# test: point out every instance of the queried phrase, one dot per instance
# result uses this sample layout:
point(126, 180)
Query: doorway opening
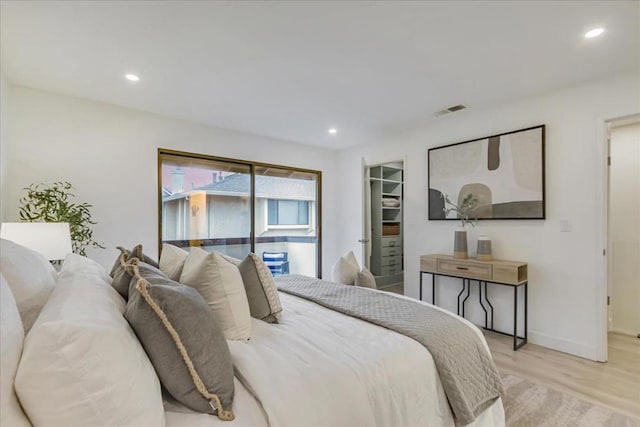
point(383, 230)
point(623, 228)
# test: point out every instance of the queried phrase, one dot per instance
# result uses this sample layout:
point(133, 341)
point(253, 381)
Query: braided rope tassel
point(142, 286)
point(123, 259)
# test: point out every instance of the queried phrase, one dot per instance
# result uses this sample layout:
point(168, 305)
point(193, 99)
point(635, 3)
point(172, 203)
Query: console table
point(499, 272)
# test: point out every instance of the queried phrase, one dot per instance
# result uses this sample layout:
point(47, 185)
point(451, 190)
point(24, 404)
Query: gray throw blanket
point(467, 372)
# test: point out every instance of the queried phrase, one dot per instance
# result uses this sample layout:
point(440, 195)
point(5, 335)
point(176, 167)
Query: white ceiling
point(291, 70)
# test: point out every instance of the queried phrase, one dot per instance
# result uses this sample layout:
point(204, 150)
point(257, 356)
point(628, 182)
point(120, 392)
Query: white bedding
point(321, 368)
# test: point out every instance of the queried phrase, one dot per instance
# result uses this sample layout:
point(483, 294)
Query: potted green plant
point(464, 212)
point(54, 204)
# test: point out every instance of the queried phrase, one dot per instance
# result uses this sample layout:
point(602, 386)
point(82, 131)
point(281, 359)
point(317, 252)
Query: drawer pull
point(462, 268)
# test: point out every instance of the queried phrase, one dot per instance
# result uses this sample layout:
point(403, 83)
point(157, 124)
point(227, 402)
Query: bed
point(315, 367)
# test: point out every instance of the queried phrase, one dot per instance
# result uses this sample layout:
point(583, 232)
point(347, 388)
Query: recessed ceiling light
point(333, 131)
point(593, 33)
point(132, 77)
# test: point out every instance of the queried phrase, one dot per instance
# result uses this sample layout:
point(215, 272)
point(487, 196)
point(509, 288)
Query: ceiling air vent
point(451, 110)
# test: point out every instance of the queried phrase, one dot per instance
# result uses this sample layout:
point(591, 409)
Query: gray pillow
point(116, 265)
point(174, 324)
point(365, 279)
point(135, 252)
point(122, 277)
point(262, 294)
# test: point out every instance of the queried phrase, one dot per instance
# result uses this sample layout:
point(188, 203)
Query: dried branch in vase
point(464, 210)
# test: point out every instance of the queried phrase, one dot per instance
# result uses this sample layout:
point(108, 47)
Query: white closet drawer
point(388, 261)
point(387, 271)
point(392, 251)
point(388, 242)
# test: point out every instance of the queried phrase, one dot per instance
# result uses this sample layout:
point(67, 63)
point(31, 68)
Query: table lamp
point(51, 239)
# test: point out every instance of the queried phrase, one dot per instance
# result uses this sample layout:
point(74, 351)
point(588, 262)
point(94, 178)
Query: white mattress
point(321, 368)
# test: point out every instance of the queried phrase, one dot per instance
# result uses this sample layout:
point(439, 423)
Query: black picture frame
point(505, 172)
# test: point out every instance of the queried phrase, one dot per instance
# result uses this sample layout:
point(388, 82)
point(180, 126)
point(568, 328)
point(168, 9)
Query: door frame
point(365, 207)
point(365, 240)
point(602, 168)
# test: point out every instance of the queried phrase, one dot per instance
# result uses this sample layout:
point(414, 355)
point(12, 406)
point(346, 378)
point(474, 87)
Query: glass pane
point(206, 203)
point(287, 212)
point(286, 215)
point(273, 212)
point(303, 212)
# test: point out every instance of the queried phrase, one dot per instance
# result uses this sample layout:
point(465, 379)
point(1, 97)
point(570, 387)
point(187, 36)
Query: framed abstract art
point(504, 173)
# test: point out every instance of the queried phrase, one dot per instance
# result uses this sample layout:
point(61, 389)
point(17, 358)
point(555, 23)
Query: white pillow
point(220, 283)
point(30, 276)
point(345, 270)
point(11, 340)
point(172, 260)
point(82, 364)
point(351, 257)
point(365, 279)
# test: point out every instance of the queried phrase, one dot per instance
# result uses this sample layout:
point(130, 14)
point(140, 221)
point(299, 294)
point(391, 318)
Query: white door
point(624, 230)
point(366, 223)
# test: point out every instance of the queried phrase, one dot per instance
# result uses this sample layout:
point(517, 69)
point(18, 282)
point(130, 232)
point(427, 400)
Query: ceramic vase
point(484, 249)
point(460, 244)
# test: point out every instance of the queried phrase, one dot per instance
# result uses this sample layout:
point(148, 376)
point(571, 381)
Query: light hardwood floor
point(396, 289)
point(614, 384)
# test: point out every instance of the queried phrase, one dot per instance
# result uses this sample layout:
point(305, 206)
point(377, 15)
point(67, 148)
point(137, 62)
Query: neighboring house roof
point(192, 177)
point(268, 187)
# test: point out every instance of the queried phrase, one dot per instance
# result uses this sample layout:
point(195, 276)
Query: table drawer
point(391, 251)
point(466, 269)
point(390, 260)
point(388, 242)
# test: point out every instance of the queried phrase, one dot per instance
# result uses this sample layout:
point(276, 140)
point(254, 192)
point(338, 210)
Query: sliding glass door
point(206, 203)
point(286, 213)
point(236, 207)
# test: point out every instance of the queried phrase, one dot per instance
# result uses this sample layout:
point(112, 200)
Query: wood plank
point(614, 384)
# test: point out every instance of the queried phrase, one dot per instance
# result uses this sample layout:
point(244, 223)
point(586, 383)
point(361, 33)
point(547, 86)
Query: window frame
point(253, 165)
point(284, 226)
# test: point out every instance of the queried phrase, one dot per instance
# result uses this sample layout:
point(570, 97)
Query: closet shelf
point(386, 224)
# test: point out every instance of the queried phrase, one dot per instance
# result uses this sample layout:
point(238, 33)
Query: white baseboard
point(625, 331)
point(565, 346)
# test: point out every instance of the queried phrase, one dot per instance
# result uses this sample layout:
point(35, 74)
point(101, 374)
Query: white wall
point(565, 268)
point(624, 229)
point(109, 154)
point(4, 128)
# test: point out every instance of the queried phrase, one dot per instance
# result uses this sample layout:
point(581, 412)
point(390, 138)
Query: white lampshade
point(51, 239)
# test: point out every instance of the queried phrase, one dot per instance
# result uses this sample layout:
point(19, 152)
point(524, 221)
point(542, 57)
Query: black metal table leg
point(468, 293)
point(459, 295)
point(483, 297)
point(433, 289)
point(486, 298)
point(515, 318)
point(526, 314)
point(481, 304)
